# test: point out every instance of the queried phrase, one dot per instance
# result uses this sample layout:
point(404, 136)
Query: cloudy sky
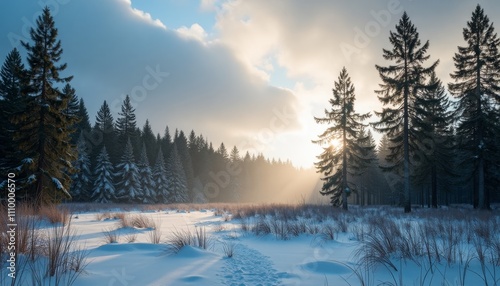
point(248, 73)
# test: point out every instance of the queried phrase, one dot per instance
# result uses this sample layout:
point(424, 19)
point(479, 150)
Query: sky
point(251, 74)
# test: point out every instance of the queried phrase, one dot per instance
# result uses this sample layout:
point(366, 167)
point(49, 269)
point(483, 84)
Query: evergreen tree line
point(141, 167)
point(48, 142)
point(439, 146)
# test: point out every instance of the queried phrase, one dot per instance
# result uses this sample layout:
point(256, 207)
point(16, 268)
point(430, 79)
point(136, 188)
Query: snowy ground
point(308, 257)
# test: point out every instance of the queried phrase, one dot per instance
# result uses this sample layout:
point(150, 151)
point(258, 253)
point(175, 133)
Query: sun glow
point(335, 144)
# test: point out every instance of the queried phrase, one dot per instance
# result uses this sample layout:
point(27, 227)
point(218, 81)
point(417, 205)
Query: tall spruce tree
point(177, 185)
point(13, 82)
point(186, 161)
point(44, 133)
point(366, 180)
point(126, 125)
point(127, 174)
point(160, 179)
point(436, 146)
point(166, 141)
point(84, 124)
point(149, 140)
point(104, 189)
point(104, 133)
point(236, 170)
point(82, 178)
point(146, 177)
point(345, 126)
point(72, 111)
point(477, 87)
point(401, 83)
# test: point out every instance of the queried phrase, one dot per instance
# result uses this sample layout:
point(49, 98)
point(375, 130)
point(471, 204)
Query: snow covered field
point(281, 245)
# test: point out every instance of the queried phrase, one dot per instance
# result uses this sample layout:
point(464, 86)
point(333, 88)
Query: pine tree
point(72, 111)
point(149, 140)
point(235, 155)
point(44, 134)
point(13, 77)
point(222, 151)
point(235, 183)
point(104, 189)
point(104, 133)
point(146, 177)
point(186, 161)
point(81, 187)
point(84, 124)
point(392, 182)
point(160, 179)
point(127, 174)
point(126, 124)
point(477, 87)
point(366, 180)
point(166, 141)
point(345, 127)
point(435, 146)
point(177, 185)
point(401, 83)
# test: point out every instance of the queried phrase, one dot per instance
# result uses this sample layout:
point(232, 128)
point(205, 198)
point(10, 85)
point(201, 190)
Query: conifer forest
point(439, 141)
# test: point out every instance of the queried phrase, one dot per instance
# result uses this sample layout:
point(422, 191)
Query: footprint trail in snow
point(249, 267)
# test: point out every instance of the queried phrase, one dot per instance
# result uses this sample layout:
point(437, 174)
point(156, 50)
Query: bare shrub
point(120, 216)
point(102, 216)
point(358, 231)
point(62, 257)
point(374, 251)
point(155, 235)
point(201, 238)
point(110, 235)
point(142, 221)
point(110, 216)
point(328, 232)
point(411, 243)
point(228, 248)
point(343, 222)
point(244, 225)
point(181, 238)
point(131, 237)
point(261, 227)
point(380, 243)
point(279, 228)
point(495, 247)
point(313, 229)
point(297, 228)
point(54, 214)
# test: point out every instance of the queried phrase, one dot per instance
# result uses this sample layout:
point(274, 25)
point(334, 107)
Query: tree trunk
point(480, 185)
point(434, 186)
point(406, 158)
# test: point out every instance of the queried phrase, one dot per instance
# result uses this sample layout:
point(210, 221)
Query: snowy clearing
point(277, 245)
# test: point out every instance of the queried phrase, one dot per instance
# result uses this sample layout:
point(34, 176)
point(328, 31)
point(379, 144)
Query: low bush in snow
point(180, 238)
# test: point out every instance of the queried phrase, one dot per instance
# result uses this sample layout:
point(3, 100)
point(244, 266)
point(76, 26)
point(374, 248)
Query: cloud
point(220, 82)
point(195, 31)
point(208, 5)
point(312, 40)
point(173, 77)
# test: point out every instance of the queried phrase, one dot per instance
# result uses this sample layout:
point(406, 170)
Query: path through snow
point(249, 267)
